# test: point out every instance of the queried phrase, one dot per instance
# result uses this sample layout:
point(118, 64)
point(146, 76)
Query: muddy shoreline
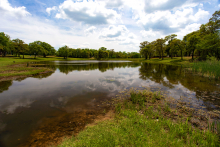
point(52, 131)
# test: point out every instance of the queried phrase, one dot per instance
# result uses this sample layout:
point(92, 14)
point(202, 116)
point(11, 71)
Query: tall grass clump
point(210, 67)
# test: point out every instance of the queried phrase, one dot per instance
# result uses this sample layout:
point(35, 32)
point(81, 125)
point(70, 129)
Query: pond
point(46, 107)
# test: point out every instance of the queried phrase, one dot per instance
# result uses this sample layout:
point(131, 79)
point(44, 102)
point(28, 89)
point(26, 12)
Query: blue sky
point(115, 24)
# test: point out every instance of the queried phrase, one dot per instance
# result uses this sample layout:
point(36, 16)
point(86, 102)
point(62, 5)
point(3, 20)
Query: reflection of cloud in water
point(10, 108)
point(165, 79)
point(86, 73)
point(131, 81)
point(90, 85)
point(148, 83)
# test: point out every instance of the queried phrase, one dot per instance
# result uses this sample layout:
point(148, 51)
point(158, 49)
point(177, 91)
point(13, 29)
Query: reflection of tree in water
point(4, 85)
point(176, 75)
point(101, 66)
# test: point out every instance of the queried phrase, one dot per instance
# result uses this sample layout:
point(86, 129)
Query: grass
point(140, 121)
point(16, 66)
point(174, 61)
point(209, 68)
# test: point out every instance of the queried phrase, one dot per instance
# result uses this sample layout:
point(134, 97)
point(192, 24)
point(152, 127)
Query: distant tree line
point(201, 43)
point(101, 53)
point(18, 47)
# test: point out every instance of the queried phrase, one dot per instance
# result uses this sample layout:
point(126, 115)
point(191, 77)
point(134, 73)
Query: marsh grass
point(147, 126)
point(209, 68)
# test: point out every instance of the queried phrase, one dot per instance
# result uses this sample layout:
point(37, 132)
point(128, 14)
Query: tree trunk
point(23, 55)
point(35, 56)
point(181, 55)
point(192, 55)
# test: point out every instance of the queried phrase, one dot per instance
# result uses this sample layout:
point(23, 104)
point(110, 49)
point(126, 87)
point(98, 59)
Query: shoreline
point(14, 68)
point(155, 108)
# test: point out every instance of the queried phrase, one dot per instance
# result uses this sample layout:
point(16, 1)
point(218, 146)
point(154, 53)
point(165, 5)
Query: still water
point(79, 86)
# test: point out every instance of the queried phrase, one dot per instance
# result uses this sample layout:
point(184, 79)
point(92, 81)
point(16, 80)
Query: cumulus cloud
point(88, 12)
point(90, 30)
point(119, 34)
point(168, 22)
point(7, 10)
point(163, 5)
point(150, 34)
point(114, 3)
point(48, 10)
point(113, 31)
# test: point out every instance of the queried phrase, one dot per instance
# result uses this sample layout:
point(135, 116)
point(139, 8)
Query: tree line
point(201, 43)
point(18, 47)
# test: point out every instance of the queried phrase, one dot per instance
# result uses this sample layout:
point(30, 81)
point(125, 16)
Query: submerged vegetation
point(144, 120)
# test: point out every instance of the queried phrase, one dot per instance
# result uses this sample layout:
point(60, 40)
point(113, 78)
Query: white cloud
point(114, 3)
point(7, 9)
point(168, 22)
point(124, 24)
point(88, 12)
point(51, 9)
point(163, 5)
point(188, 29)
point(151, 35)
point(113, 31)
point(90, 30)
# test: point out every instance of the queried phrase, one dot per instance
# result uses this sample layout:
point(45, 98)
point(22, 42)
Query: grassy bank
point(144, 120)
point(16, 66)
point(174, 61)
point(207, 68)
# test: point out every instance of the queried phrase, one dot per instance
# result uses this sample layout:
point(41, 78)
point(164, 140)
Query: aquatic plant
point(210, 68)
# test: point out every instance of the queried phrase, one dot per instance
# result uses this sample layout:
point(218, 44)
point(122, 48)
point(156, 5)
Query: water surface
point(79, 86)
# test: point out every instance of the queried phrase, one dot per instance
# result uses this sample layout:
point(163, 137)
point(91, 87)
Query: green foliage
point(63, 51)
point(19, 47)
point(36, 48)
point(4, 42)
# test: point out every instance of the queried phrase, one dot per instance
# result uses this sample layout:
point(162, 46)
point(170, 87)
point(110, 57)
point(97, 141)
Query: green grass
point(16, 66)
point(209, 68)
point(135, 125)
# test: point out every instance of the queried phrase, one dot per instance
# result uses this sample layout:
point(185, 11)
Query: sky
point(115, 24)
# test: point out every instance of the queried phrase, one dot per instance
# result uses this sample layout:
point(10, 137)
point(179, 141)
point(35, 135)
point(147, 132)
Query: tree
point(214, 22)
point(160, 47)
point(192, 43)
point(48, 49)
point(169, 39)
point(4, 41)
point(103, 53)
point(210, 44)
point(103, 48)
point(175, 46)
point(20, 47)
point(36, 48)
point(146, 51)
point(64, 51)
point(111, 53)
